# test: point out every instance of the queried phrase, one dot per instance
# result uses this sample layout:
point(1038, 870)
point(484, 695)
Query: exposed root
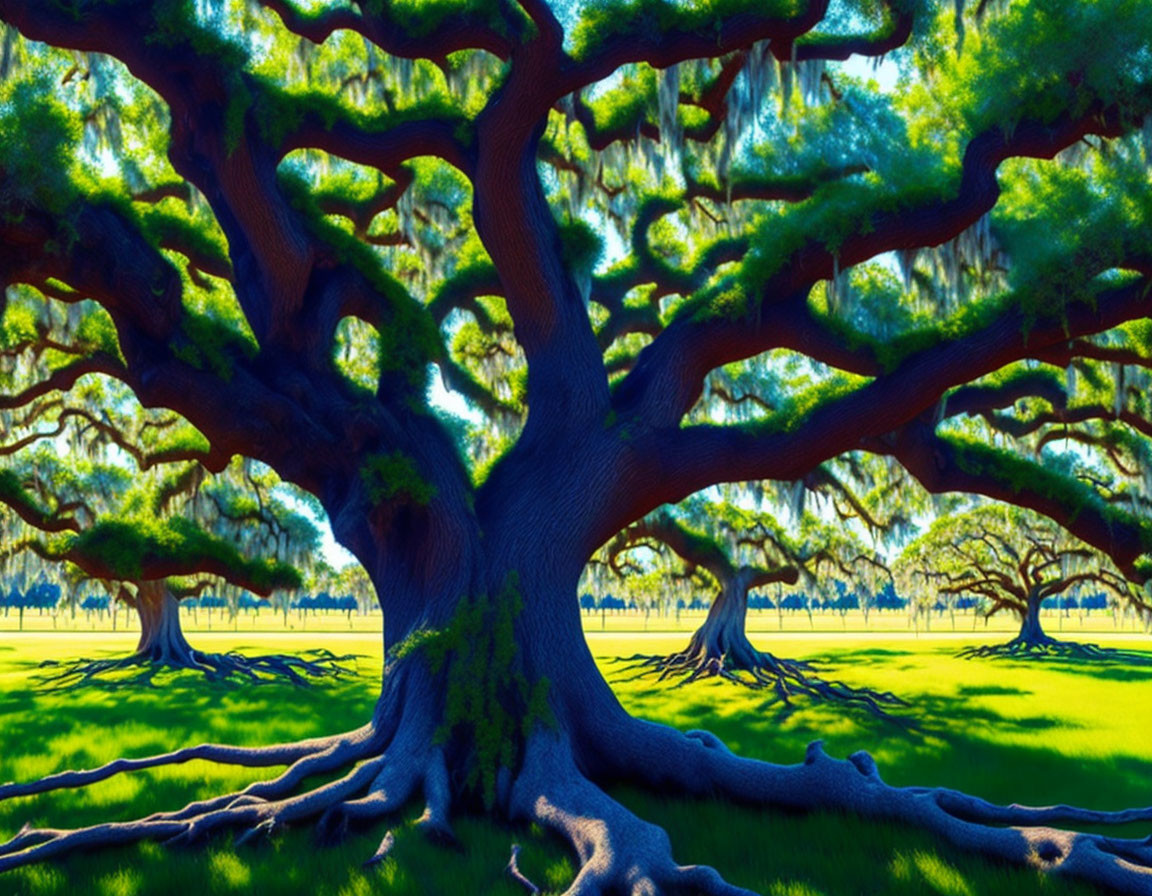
point(1045, 647)
point(392, 787)
point(785, 679)
point(559, 785)
point(384, 774)
point(251, 757)
point(438, 807)
point(298, 669)
point(618, 852)
point(382, 851)
point(665, 759)
point(517, 875)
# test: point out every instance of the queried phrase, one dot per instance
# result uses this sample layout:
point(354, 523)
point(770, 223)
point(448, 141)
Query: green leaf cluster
point(388, 476)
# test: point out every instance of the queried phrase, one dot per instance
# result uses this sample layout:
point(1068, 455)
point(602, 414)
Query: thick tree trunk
point(1033, 641)
point(723, 638)
point(1031, 632)
point(162, 640)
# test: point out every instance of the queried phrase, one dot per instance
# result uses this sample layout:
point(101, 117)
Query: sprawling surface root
point(618, 852)
point(1039, 647)
point(386, 763)
point(384, 772)
point(559, 786)
point(700, 765)
point(250, 757)
point(784, 679)
point(298, 669)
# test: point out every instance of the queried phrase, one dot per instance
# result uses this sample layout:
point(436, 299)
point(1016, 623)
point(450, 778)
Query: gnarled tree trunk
point(1031, 631)
point(723, 638)
point(162, 640)
point(162, 645)
point(1033, 641)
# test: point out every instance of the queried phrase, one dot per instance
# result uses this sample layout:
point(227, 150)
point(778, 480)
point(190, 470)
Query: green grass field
point(1006, 730)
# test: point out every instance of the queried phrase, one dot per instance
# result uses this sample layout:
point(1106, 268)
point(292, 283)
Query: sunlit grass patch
point(1006, 731)
point(934, 873)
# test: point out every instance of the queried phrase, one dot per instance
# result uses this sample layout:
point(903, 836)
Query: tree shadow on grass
point(961, 743)
point(989, 690)
point(233, 667)
point(291, 863)
point(1074, 654)
point(771, 852)
point(766, 850)
point(781, 852)
point(879, 653)
point(1106, 671)
point(1011, 752)
point(82, 728)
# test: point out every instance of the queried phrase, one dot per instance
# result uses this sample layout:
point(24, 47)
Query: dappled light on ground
point(1004, 731)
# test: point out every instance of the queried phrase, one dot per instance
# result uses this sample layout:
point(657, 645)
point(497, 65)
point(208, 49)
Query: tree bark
point(723, 638)
point(162, 640)
point(1031, 631)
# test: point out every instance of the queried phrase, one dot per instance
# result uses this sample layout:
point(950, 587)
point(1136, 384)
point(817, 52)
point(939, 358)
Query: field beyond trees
point(1006, 730)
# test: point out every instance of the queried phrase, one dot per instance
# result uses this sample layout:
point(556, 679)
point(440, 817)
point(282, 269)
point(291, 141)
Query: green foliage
point(38, 139)
point(490, 706)
point(420, 18)
point(207, 343)
point(581, 245)
point(1066, 55)
point(617, 19)
point(235, 113)
point(176, 26)
point(409, 337)
point(128, 549)
point(393, 475)
point(97, 331)
point(1022, 475)
point(357, 353)
point(280, 113)
point(14, 494)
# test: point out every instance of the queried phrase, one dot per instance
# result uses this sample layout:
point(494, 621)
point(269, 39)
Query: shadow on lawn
point(86, 726)
point(771, 852)
point(961, 742)
point(1109, 670)
point(989, 690)
point(768, 851)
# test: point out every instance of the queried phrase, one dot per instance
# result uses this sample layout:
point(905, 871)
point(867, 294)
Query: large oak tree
point(1012, 560)
point(581, 219)
point(734, 551)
